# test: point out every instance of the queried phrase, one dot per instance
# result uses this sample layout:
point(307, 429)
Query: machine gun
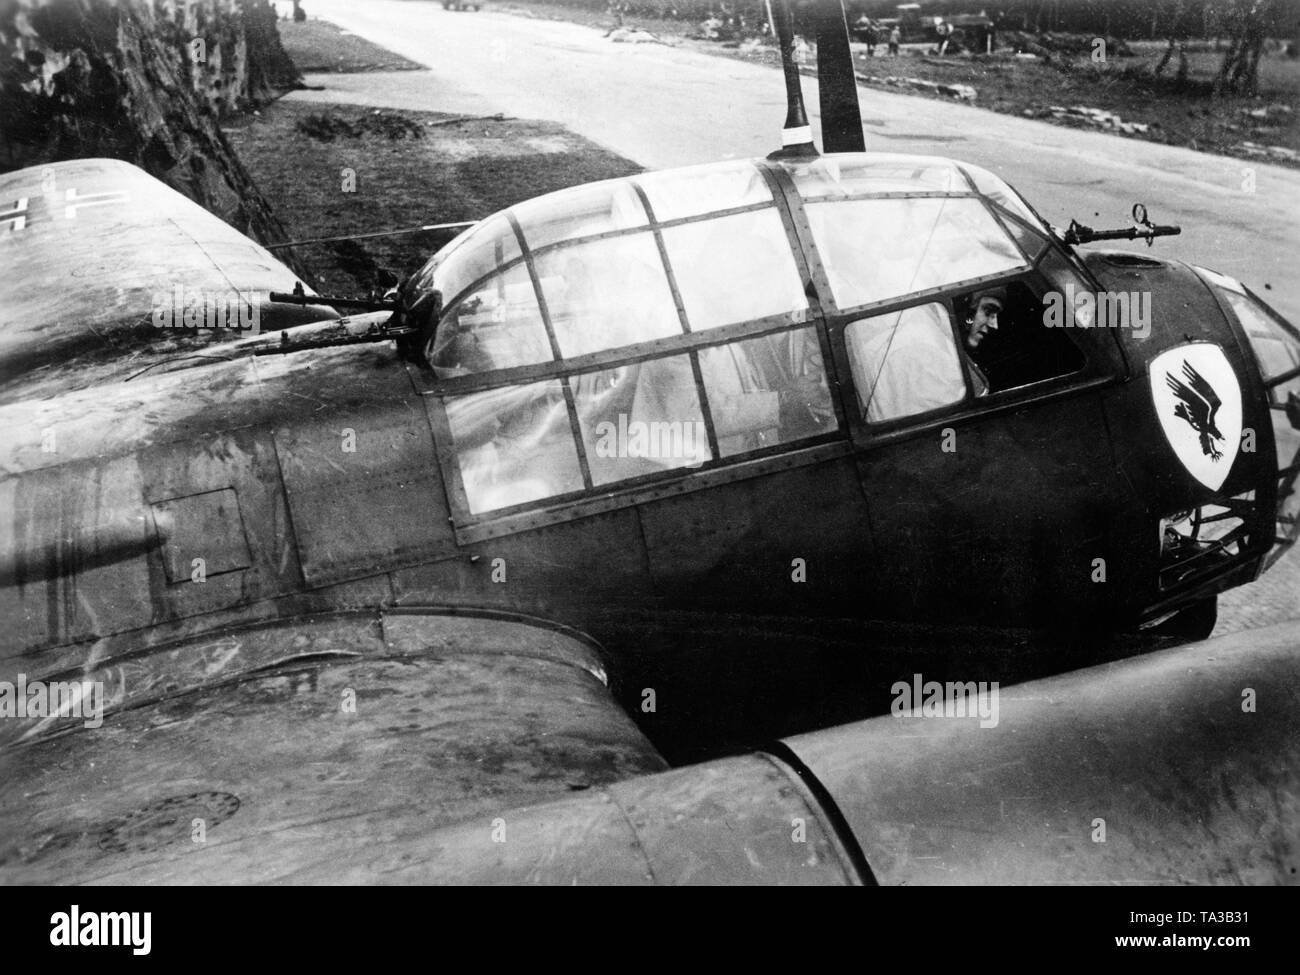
point(365, 327)
point(1077, 233)
point(300, 297)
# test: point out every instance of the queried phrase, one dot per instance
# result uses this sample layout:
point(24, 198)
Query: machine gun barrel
point(1142, 229)
point(299, 297)
point(1079, 234)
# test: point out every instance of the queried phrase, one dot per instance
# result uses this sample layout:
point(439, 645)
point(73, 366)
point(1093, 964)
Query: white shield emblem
point(1198, 400)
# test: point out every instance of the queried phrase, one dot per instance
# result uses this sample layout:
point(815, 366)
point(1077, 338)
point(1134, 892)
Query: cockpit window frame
point(850, 434)
point(1097, 369)
point(1100, 368)
point(970, 404)
point(451, 301)
point(470, 527)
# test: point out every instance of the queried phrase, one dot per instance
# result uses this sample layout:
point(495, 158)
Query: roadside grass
point(408, 172)
point(319, 46)
point(1184, 115)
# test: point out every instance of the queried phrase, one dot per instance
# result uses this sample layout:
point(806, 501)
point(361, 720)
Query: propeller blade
point(796, 136)
point(841, 118)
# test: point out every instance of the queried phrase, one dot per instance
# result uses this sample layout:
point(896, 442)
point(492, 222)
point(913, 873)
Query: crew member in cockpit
point(979, 316)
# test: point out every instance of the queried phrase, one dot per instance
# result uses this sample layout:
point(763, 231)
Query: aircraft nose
point(1276, 344)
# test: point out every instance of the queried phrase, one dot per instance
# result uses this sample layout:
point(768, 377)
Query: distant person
point(872, 38)
point(299, 15)
point(895, 38)
point(945, 35)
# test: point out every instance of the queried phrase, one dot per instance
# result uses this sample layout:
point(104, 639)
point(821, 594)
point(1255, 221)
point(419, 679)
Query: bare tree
point(1178, 38)
point(1248, 22)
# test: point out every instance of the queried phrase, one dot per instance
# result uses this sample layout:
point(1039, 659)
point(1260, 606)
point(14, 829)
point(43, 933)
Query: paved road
point(667, 106)
point(663, 106)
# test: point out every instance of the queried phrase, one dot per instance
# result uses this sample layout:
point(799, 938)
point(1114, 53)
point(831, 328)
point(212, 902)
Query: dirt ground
point(1122, 85)
point(410, 169)
point(347, 169)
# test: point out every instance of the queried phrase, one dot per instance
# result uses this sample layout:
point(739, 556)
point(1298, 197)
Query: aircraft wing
point(1165, 768)
point(308, 749)
point(97, 253)
point(418, 746)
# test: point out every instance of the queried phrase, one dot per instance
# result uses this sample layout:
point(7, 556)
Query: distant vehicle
point(971, 32)
point(459, 5)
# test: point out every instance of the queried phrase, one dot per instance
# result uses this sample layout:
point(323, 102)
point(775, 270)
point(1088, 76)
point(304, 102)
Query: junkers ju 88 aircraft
point(345, 595)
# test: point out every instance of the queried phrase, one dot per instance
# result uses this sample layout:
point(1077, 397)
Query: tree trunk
point(1177, 33)
point(1165, 58)
point(1225, 66)
point(1249, 22)
point(270, 69)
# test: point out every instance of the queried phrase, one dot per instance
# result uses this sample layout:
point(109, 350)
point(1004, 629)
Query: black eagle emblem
point(1200, 404)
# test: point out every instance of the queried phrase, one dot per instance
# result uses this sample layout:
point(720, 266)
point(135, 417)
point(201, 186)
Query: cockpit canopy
point(659, 255)
point(616, 334)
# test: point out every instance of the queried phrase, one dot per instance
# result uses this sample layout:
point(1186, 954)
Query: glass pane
point(853, 175)
point(495, 327)
point(1066, 281)
point(1030, 242)
point(592, 209)
point(1222, 280)
point(1254, 319)
point(766, 391)
point(696, 190)
point(1000, 193)
point(904, 362)
point(641, 419)
point(734, 269)
point(879, 249)
point(475, 253)
point(514, 445)
point(1277, 352)
point(1276, 357)
point(607, 293)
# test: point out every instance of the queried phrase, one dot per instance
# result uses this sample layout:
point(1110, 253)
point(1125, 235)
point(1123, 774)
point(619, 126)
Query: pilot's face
point(984, 320)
